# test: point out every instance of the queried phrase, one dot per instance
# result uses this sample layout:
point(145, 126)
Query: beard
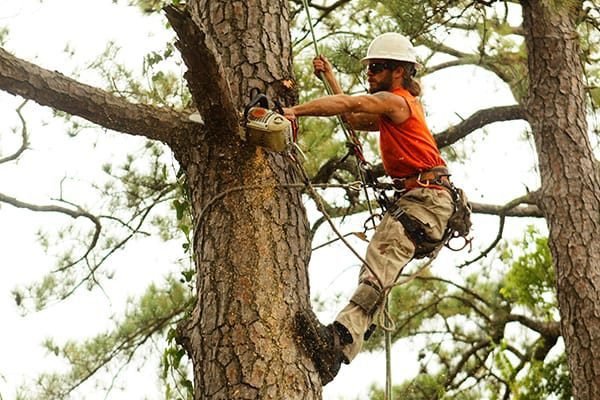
point(382, 86)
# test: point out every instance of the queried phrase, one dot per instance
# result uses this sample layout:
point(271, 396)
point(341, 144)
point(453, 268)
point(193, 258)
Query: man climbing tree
point(416, 222)
point(252, 245)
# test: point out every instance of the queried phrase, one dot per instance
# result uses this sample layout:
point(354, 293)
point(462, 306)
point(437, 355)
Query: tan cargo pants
point(390, 250)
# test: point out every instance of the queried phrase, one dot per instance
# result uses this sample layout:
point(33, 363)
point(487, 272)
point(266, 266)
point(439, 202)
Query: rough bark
point(251, 250)
point(569, 196)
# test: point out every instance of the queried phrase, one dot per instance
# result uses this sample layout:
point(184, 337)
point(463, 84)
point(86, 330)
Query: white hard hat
point(391, 46)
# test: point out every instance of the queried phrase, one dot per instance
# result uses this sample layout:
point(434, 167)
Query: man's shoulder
point(389, 95)
point(399, 107)
point(401, 92)
point(394, 97)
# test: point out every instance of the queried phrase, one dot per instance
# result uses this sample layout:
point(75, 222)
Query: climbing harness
point(458, 225)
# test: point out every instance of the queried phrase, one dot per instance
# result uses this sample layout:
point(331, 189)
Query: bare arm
point(369, 107)
point(361, 121)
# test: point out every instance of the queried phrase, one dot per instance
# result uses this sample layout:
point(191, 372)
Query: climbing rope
point(353, 141)
point(307, 185)
point(362, 164)
point(351, 137)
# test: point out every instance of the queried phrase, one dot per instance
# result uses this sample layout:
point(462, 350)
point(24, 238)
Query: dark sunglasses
point(377, 67)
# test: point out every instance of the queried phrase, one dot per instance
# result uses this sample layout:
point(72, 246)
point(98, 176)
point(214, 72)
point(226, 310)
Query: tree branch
point(547, 329)
point(53, 89)
point(478, 120)
point(515, 211)
point(510, 209)
point(437, 46)
point(48, 208)
point(24, 138)
point(456, 285)
point(452, 373)
point(78, 212)
point(324, 9)
point(469, 60)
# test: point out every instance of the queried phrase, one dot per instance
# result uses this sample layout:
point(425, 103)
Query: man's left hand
point(288, 112)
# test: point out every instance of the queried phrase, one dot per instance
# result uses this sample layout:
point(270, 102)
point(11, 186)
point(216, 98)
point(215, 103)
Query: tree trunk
point(252, 237)
point(570, 190)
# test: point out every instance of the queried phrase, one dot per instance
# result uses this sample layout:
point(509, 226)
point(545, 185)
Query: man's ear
point(399, 72)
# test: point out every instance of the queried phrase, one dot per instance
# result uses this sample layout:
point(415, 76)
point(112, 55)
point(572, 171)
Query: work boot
point(323, 344)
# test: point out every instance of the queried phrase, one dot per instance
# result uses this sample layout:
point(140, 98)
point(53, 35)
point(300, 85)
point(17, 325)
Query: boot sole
point(308, 328)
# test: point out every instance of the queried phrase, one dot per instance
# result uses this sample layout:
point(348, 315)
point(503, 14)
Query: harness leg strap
point(367, 296)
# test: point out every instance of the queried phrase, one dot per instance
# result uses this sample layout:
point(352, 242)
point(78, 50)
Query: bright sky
point(39, 32)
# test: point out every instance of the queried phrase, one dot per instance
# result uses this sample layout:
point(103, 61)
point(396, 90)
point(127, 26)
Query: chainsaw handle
point(278, 107)
point(258, 98)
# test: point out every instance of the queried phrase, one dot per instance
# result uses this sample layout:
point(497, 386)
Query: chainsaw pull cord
point(294, 123)
point(362, 165)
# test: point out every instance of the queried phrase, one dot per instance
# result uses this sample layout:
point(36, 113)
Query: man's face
point(379, 76)
point(380, 82)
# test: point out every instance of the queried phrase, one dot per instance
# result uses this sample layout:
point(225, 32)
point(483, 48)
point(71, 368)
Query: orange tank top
point(408, 148)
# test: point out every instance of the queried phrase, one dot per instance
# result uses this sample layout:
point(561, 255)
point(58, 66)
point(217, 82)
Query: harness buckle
point(372, 219)
point(398, 185)
point(421, 183)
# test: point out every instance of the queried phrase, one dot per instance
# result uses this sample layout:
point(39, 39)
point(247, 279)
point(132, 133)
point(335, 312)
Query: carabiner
point(398, 185)
point(467, 242)
point(372, 219)
point(355, 186)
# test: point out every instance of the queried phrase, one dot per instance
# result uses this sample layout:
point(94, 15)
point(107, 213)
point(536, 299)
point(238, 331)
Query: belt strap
point(437, 176)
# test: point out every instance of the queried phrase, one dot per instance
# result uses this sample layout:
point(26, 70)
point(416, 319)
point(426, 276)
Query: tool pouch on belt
point(458, 225)
point(424, 245)
point(460, 222)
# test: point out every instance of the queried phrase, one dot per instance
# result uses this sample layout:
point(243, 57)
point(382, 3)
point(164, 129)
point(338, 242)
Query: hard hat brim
point(367, 60)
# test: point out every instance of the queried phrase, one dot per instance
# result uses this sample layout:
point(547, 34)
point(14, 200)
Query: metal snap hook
point(355, 186)
point(421, 183)
point(398, 185)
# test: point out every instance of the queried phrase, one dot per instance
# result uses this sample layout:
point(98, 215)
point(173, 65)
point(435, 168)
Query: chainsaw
point(266, 128)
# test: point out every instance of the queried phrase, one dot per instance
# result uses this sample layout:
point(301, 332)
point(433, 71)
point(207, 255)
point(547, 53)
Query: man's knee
point(368, 296)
